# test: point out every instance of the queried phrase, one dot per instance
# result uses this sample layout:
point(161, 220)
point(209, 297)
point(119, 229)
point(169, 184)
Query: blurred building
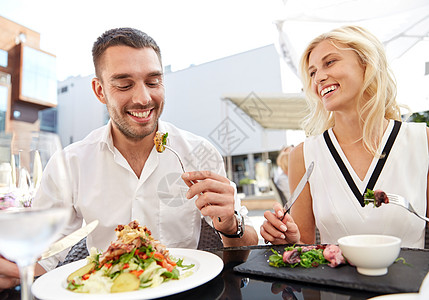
point(28, 83)
point(79, 111)
point(194, 102)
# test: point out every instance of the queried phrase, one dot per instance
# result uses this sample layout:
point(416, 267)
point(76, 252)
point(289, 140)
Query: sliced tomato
point(167, 266)
point(158, 256)
point(170, 261)
point(137, 272)
point(143, 255)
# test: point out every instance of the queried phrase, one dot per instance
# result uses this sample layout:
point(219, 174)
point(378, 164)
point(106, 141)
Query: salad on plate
point(134, 261)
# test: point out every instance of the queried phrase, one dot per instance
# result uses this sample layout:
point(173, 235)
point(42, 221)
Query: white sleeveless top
point(336, 209)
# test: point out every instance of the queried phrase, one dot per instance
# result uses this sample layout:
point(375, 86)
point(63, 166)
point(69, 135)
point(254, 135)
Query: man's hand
point(215, 198)
point(9, 274)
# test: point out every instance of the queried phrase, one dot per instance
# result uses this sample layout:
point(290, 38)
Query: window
point(39, 80)
point(3, 58)
point(4, 94)
point(4, 99)
point(48, 119)
point(63, 90)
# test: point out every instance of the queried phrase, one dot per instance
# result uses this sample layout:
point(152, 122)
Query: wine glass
point(30, 224)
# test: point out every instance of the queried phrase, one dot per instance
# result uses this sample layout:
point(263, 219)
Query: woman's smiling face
point(337, 75)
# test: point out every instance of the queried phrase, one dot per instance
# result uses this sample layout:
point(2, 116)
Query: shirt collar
point(106, 138)
point(161, 126)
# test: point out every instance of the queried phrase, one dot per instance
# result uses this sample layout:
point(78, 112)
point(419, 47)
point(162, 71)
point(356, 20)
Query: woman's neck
point(349, 130)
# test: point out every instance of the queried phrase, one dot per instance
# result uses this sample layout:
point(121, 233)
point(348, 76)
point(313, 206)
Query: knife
point(69, 240)
point(298, 189)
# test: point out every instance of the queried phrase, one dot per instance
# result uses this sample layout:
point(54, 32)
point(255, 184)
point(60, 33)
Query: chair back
point(278, 194)
point(209, 238)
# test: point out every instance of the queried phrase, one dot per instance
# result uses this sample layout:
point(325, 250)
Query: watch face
point(240, 220)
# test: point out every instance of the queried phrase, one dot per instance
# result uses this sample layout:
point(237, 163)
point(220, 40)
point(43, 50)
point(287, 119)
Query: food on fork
point(160, 141)
point(134, 261)
point(378, 196)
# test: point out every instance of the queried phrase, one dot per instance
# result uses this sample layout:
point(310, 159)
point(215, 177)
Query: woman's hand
point(278, 231)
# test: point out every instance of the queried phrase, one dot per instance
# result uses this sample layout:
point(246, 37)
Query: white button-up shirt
point(105, 188)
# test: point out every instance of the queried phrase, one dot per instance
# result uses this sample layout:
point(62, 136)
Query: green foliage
point(185, 267)
point(164, 138)
point(420, 117)
point(246, 180)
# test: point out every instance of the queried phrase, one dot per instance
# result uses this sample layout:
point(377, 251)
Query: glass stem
point(26, 274)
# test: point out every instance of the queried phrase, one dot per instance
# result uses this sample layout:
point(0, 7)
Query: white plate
point(406, 296)
point(52, 285)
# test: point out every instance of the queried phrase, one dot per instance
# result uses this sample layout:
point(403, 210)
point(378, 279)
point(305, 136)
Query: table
point(260, 202)
point(230, 284)
point(235, 285)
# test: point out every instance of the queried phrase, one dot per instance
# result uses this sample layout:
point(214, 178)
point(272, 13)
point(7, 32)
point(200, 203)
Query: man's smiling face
point(131, 86)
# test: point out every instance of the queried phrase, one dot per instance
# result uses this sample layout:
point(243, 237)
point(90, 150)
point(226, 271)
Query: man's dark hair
point(122, 37)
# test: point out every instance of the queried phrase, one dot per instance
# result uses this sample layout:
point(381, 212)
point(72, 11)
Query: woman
point(281, 178)
point(353, 123)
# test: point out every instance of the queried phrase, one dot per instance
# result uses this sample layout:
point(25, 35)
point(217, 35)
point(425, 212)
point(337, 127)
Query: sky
point(192, 32)
point(187, 31)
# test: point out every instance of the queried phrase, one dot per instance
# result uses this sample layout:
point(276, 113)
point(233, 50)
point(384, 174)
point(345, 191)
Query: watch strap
point(240, 229)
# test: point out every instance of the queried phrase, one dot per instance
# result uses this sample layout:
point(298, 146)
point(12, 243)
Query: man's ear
point(97, 87)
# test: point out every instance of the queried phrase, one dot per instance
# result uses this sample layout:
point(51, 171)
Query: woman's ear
point(97, 87)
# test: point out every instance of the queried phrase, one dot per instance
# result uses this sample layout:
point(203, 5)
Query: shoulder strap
point(385, 154)
point(342, 166)
point(378, 167)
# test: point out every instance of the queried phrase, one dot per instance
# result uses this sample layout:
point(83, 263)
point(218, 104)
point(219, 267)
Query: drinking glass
point(29, 224)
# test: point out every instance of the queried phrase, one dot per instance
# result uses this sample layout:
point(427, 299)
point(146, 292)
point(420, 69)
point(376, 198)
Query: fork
point(181, 164)
point(178, 157)
point(401, 201)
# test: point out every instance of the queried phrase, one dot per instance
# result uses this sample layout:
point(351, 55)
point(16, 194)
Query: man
point(118, 176)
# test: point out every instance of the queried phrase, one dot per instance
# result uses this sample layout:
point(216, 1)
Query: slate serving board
point(401, 278)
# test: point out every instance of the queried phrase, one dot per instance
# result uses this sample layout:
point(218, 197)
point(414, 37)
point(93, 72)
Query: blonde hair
point(283, 159)
point(379, 87)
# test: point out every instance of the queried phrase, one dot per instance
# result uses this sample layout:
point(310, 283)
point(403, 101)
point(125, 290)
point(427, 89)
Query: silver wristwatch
point(240, 229)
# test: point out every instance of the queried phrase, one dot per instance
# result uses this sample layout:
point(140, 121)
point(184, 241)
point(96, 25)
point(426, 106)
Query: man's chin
point(138, 135)
point(136, 131)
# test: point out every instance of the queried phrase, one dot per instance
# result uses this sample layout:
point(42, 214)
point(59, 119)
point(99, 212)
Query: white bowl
point(371, 254)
